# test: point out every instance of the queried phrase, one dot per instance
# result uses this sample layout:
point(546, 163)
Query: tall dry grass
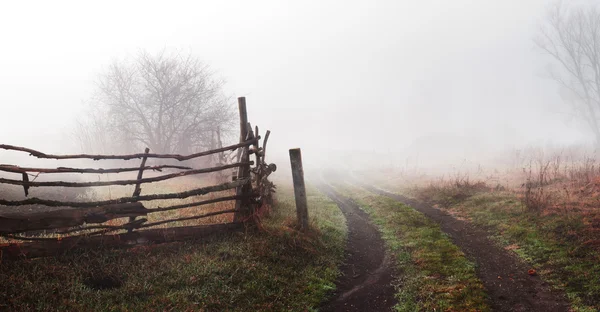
point(548, 180)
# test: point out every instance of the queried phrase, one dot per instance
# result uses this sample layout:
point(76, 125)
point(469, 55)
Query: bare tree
point(167, 102)
point(571, 36)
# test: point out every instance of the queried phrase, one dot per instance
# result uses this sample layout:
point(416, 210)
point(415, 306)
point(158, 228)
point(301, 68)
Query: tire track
point(367, 272)
point(503, 274)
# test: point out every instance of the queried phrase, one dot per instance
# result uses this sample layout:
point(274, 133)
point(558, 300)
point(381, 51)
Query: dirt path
point(366, 283)
point(504, 275)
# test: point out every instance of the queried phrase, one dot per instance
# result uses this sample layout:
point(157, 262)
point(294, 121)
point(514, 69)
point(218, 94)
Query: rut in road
point(503, 274)
point(367, 278)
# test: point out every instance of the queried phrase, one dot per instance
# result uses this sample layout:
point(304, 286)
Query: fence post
point(243, 124)
point(243, 156)
point(138, 188)
point(299, 188)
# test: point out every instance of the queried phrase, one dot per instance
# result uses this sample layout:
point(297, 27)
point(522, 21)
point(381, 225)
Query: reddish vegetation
point(531, 272)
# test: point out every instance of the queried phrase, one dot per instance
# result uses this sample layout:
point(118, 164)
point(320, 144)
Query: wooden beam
point(264, 149)
point(200, 203)
point(208, 214)
point(138, 188)
point(151, 236)
point(25, 180)
point(39, 154)
point(299, 188)
point(68, 217)
point(243, 156)
point(186, 194)
point(17, 169)
point(121, 182)
point(134, 224)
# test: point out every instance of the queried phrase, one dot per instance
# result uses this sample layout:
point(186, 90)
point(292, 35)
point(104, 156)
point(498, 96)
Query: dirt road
point(503, 274)
point(366, 283)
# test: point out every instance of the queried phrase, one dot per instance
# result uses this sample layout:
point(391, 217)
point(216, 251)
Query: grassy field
point(275, 269)
point(562, 246)
point(434, 274)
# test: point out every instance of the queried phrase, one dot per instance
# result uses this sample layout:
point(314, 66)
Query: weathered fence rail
point(39, 154)
point(87, 218)
point(137, 181)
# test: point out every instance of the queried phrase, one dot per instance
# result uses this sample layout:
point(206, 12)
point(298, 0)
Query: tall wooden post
point(299, 188)
point(243, 124)
point(243, 156)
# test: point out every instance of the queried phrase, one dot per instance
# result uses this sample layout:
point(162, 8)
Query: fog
point(346, 81)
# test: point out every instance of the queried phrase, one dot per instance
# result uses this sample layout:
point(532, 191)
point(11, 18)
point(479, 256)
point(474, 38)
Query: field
point(545, 212)
point(275, 268)
point(521, 238)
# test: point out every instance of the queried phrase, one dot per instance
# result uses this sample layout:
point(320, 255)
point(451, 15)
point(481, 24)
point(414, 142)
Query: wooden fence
point(85, 222)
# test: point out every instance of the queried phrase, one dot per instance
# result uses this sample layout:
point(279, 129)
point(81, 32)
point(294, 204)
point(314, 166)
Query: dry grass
point(555, 181)
point(544, 209)
point(557, 186)
point(446, 192)
point(174, 186)
point(274, 269)
point(114, 192)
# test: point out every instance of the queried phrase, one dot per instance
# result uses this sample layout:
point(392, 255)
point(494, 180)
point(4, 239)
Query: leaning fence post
point(243, 156)
point(138, 188)
point(243, 123)
point(299, 188)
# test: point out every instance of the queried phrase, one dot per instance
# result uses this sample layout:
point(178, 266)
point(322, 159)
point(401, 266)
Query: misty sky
point(326, 76)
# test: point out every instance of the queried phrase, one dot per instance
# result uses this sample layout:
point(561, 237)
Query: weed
point(448, 192)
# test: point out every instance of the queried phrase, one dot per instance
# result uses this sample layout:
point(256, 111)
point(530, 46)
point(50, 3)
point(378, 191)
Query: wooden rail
point(185, 194)
point(17, 169)
point(39, 154)
point(123, 182)
point(87, 218)
point(43, 248)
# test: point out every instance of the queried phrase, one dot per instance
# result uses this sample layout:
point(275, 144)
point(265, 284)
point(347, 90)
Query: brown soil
point(367, 273)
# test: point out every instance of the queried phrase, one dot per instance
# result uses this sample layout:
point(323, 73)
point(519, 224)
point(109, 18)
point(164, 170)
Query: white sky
point(326, 76)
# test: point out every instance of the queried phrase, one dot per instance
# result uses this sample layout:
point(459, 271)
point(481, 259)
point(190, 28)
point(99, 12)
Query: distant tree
point(571, 36)
point(167, 102)
point(92, 132)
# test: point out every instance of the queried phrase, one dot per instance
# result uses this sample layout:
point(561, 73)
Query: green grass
point(434, 274)
point(277, 269)
point(554, 244)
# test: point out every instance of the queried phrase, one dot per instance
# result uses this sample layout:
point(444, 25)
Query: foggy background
point(439, 79)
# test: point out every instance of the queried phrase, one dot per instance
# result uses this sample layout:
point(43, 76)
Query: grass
point(434, 274)
point(183, 184)
point(276, 269)
point(559, 246)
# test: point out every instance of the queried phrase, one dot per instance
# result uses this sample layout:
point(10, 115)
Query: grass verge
point(277, 269)
point(434, 274)
point(559, 246)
